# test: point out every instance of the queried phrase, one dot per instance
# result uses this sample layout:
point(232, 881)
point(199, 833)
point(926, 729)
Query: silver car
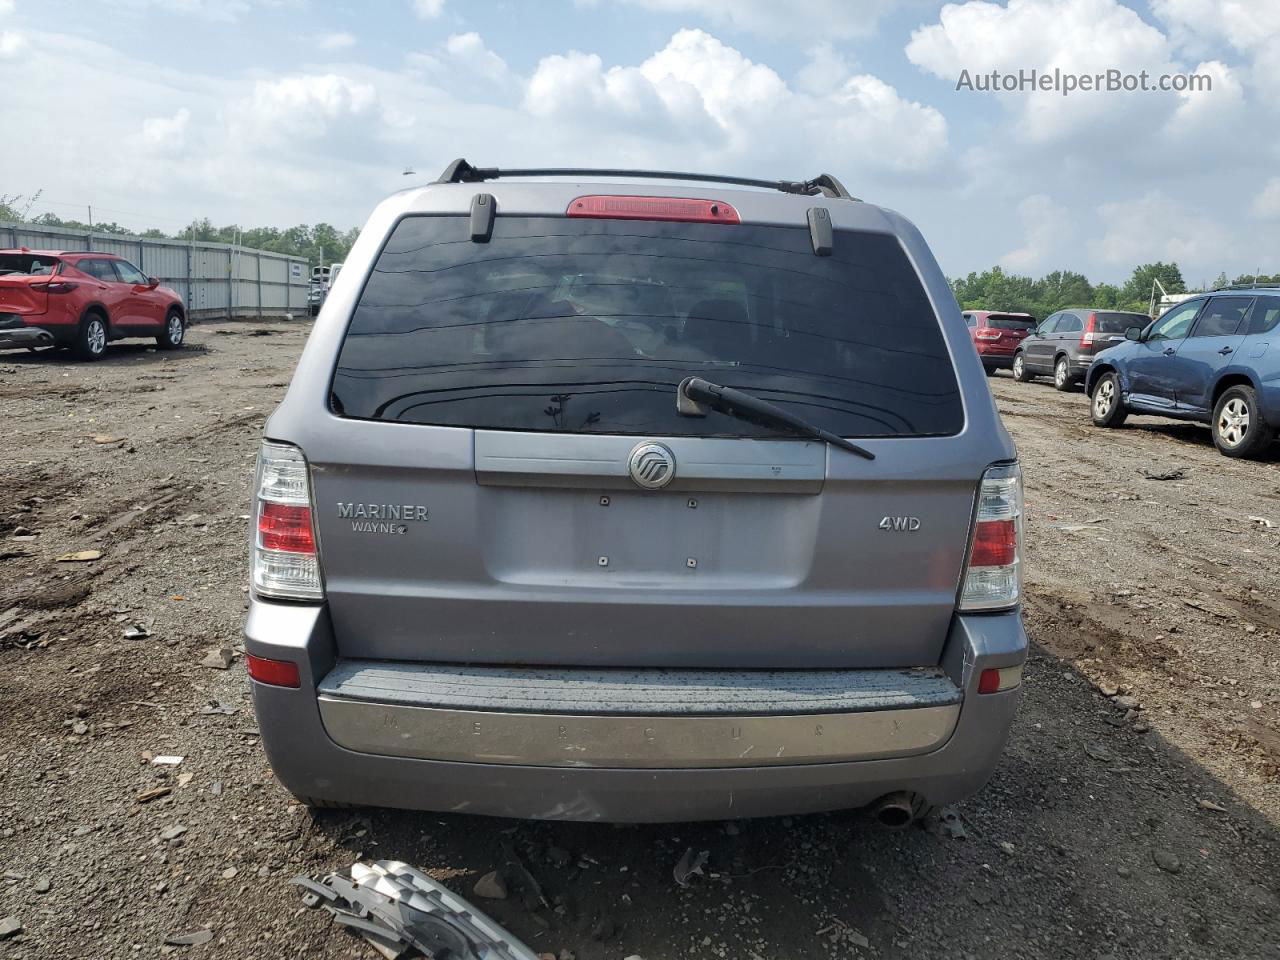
point(604, 501)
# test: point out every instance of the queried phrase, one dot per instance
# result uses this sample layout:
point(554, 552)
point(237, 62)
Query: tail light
point(993, 576)
point(1090, 328)
point(60, 286)
point(987, 333)
point(999, 679)
point(285, 562)
point(274, 673)
point(653, 208)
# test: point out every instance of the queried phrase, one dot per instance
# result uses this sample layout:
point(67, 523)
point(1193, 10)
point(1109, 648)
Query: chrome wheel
point(1060, 374)
point(1233, 422)
point(1017, 366)
point(95, 336)
point(1104, 398)
point(175, 330)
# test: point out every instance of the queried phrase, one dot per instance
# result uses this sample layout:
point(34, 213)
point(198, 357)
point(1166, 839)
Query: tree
point(1221, 281)
point(1064, 288)
point(996, 290)
point(1256, 280)
point(202, 230)
point(1106, 295)
point(322, 240)
point(1137, 290)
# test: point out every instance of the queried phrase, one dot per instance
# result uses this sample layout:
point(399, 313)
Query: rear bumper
point(942, 751)
point(995, 351)
point(996, 361)
point(25, 336)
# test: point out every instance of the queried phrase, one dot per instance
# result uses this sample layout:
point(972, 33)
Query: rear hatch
point(516, 394)
point(1108, 329)
point(24, 284)
point(1004, 331)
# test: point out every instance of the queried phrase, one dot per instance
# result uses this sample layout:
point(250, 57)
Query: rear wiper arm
point(735, 403)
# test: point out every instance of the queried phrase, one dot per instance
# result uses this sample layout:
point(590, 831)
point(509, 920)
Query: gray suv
point(1065, 345)
point(604, 501)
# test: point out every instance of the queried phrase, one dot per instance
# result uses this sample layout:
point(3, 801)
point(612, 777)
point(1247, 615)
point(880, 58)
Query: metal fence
point(216, 280)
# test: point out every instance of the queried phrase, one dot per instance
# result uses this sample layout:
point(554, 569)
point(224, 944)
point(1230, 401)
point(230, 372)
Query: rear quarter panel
point(1260, 355)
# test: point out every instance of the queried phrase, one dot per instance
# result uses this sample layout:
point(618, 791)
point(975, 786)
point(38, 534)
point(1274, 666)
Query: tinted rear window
point(1120, 322)
point(1003, 321)
point(1265, 316)
point(26, 265)
point(588, 326)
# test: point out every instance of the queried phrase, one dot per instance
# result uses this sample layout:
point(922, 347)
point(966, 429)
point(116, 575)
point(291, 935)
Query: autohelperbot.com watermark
point(1066, 82)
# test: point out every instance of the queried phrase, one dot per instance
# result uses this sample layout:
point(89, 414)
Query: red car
point(83, 300)
point(996, 336)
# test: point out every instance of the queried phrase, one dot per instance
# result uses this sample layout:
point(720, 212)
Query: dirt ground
point(1146, 828)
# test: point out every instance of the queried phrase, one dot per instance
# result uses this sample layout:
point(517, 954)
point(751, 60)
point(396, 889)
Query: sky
point(277, 112)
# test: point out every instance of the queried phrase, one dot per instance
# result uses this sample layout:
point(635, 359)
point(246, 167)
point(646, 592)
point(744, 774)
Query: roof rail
point(1255, 285)
point(824, 183)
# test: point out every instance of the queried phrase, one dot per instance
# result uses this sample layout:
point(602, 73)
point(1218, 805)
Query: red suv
point(996, 336)
point(82, 300)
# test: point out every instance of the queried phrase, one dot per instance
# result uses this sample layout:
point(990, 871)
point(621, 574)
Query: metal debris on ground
point(690, 864)
point(192, 939)
point(214, 708)
point(527, 881)
point(80, 556)
point(403, 913)
point(491, 886)
point(951, 825)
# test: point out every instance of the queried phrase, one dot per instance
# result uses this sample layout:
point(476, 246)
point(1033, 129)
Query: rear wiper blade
point(735, 403)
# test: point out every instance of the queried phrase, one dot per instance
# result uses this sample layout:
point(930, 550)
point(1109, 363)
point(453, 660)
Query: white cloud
point(227, 11)
point(1076, 36)
point(1267, 203)
point(218, 11)
point(838, 19)
point(6, 6)
point(1221, 107)
point(1245, 24)
point(11, 43)
point(167, 134)
point(1043, 222)
point(302, 107)
point(1156, 226)
point(1249, 26)
point(469, 52)
point(824, 69)
point(335, 41)
point(428, 9)
point(702, 94)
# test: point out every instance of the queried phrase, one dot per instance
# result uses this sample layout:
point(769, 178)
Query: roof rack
point(824, 183)
point(1256, 285)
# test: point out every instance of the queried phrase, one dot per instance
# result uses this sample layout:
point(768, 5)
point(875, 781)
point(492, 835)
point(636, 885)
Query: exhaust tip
point(896, 811)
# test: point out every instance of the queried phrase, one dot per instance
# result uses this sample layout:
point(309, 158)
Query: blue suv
point(1207, 359)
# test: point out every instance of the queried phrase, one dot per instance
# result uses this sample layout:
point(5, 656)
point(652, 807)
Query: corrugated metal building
point(215, 279)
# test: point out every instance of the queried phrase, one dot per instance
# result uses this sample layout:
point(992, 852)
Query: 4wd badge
point(900, 524)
